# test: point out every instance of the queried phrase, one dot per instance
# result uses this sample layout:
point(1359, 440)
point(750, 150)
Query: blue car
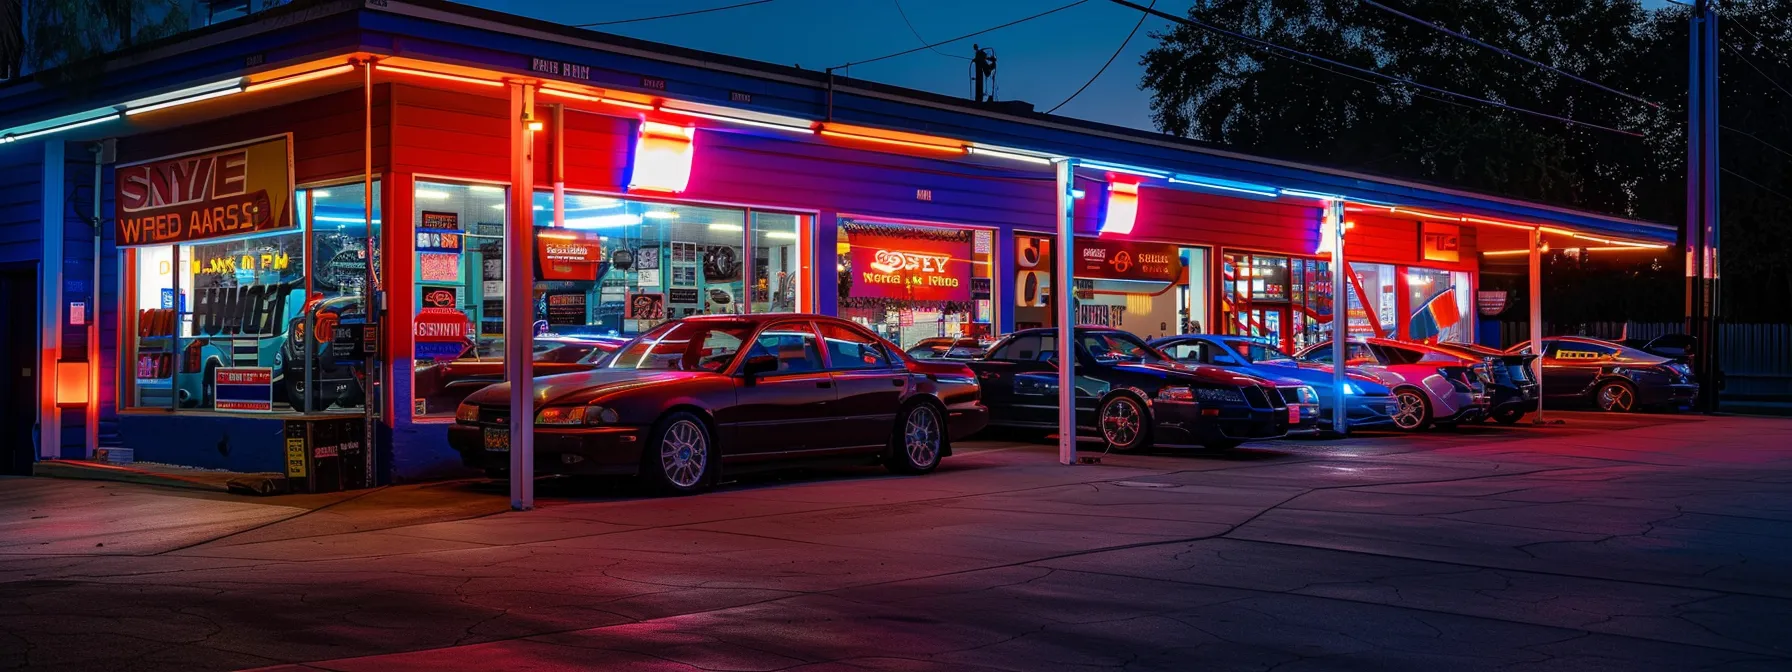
point(1368, 403)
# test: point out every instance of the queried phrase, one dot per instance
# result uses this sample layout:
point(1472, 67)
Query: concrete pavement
point(1629, 542)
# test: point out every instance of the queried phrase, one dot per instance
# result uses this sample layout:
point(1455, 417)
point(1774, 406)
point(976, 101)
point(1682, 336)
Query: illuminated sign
point(441, 325)
point(1127, 260)
point(243, 388)
point(1123, 209)
point(1440, 242)
point(920, 267)
point(235, 190)
point(663, 154)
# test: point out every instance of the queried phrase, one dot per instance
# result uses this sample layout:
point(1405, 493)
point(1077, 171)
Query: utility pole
point(984, 69)
point(1700, 235)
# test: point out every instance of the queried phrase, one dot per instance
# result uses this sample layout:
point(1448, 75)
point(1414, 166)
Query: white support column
point(1536, 302)
point(519, 302)
point(49, 301)
point(1334, 215)
point(1066, 311)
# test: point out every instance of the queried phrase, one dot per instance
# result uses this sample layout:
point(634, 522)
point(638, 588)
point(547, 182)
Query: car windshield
point(1258, 353)
point(702, 345)
point(1115, 346)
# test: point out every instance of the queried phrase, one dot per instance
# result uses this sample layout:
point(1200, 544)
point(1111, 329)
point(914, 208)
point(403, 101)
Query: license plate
point(497, 440)
point(1293, 414)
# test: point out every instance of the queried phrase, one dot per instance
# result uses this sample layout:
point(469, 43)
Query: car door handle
point(824, 383)
point(897, 382)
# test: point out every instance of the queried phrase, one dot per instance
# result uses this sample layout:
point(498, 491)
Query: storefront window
point(909, 282)
point(777, 273)
point(1035, 275)
point(1374, 283)
point(1285, 299)
point(267, 317)
point(1438, 305)
point(1137, 286)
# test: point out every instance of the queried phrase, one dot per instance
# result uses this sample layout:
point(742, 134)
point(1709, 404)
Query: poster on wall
point(440, 221)
point(566, 308)
point(647, 258)
point(438, 267)
point(225, 191)
point(1127, 260)
point(1440, 242)
point(683, 296)
point(913, 264)
point(721, 263)
point(1033, 271)
point(438, 241)
point(243, 388)
point(645, 306)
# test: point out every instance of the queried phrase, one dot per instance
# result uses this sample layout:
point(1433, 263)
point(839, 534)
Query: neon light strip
point(1224, 185)
point(959, 149)
point(1010, 155)
point(220, 93)
point(1310, 194)
point(626, 103)
point(1504, 253)
point(301, 77)
point(64, 127)
point(738, 120)
point(1129, 170)
point(437, 75)
point(569, 94)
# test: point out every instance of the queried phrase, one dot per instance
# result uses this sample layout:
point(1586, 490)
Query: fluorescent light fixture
point(182, 101)
point(1129, 170)
point(342, 220)
point(500, 206)
point(725, 227)
point(1505, 253)
point(664, 214)
point(541, 207)
point(1078, 193)
point(437, 75)
point(592, 202)
point(1224, 185)
point(63, 127)
point(1011, 155)
point(1298, 193)
point(485, 189)
point(739, 120)
point(780, 235)
point(431, 195)
point(603, 221)
point(301, 77)
point(319, 193)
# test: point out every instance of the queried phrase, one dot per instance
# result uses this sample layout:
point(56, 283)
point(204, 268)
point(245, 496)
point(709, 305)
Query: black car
point(692, 399)
point(1511, 387)
point(945, 347)
point(1579, 371)
point(1128, 393)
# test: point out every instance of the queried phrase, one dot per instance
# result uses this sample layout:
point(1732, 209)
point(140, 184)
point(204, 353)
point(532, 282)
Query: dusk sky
point(1041, 61)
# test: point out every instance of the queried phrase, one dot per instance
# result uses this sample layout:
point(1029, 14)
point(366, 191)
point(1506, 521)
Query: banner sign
point(231, 191)
point(243, 388)
point(889, 263)
point(1127, 260)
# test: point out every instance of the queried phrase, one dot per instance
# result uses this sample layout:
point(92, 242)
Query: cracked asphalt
point(1608, 542)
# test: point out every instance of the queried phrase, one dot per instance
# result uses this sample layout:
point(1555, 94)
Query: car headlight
point(1176, 394)
point(466, 413)
point(575, 415)
point(1219, 394)
point(1308, 395)
point(1351, 388)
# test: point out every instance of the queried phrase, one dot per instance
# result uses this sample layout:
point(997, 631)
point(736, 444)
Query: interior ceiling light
point(437, 75)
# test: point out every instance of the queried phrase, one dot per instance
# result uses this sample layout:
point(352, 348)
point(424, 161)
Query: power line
point(955, 39)
point(1104, 66)
point(1509, 54)
point(671, 16)
point(917, 33)
point(1757, 69)
point(1755, 138)
point(1758, 185)
point(1398, 80)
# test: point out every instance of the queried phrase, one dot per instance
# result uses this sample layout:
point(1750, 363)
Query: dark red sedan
point(693, 399)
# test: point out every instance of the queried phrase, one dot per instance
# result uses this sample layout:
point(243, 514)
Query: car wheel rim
point(921, 437)
point(683, 453)
point(1120, 422)
point(1615, 398)
point(1411, 409)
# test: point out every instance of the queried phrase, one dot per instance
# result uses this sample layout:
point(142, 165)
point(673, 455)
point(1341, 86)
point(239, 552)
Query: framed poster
point(438, 267)
point(647, 258)
point(645, 306)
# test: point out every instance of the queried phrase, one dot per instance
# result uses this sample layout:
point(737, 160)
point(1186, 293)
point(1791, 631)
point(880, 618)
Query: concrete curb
point(213, 481)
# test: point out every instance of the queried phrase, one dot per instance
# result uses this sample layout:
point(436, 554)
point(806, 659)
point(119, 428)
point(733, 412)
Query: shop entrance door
point(1269, 322)
point(18, 361)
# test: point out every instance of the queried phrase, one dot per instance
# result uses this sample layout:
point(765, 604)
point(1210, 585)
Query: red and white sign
point(441, 325)
point(243, 388)
point(914, 269)
point(568, 255)
point(228, 191)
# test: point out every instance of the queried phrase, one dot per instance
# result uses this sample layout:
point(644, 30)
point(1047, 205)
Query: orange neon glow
point(437, 75)
point(895, 138)
point(889, 141)
point(301, 77)
point(626, 103)
point(571, 95)
point(71, 384)
point(663, 155)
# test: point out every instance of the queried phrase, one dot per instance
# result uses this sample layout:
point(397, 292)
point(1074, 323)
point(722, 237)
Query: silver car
point(1431, 387)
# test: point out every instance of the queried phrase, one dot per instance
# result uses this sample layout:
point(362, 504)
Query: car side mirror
point(758, 365)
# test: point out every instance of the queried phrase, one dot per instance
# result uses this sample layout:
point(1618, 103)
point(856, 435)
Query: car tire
point(1508, 416)
point(1412, 411)
point(918, 439)
point(681, 455)
point(1616, 397)
point(1124, 423)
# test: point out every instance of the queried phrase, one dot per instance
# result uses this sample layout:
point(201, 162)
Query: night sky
point(1041, 61)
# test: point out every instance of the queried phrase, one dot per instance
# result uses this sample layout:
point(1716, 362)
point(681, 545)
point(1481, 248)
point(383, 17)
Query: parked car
point(1367, 403)
point(694, 398)
point(946, 347)
point(1579, 371)
point(442, 385)
point(1511, 386)
point(1128, 393)
point(1431, 387)
point(1679, 348)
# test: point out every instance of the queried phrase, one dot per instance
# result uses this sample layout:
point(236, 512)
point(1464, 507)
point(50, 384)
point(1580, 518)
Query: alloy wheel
point(1409, 411)
point(684, 453)
point(1616, 397)
point(921, 436)
point(1120, 421)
